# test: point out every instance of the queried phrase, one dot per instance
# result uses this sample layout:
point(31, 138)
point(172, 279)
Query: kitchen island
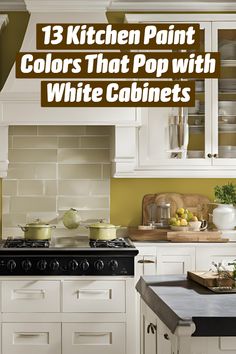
point(179, 316)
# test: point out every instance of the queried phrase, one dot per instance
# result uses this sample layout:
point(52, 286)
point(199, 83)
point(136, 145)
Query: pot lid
point(102, 225)
point(38, 223)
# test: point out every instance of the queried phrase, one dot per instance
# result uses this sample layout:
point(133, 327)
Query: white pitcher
point(224, 217)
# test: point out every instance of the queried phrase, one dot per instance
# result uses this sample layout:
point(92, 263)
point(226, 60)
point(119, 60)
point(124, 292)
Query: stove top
point(80, 257)
point(117, 243)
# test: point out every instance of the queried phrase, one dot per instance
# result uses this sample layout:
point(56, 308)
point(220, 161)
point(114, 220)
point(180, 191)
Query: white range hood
point(20, 98)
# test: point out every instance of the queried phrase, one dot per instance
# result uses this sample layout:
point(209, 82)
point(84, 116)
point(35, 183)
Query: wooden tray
point(208, 279)
point(147, 235)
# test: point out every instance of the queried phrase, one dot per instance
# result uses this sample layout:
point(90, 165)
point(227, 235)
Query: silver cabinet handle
point(29, 334)
point(93, 291)
point(29, 291)
point(146, 261)
point(91, 334)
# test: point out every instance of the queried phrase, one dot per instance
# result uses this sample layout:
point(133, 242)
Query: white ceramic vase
point(224, 217)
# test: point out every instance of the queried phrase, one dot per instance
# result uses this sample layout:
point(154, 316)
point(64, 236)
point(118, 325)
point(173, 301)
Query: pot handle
point(23, 228)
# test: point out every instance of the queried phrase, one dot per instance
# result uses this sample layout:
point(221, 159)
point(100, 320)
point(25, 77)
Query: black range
point(27, 257)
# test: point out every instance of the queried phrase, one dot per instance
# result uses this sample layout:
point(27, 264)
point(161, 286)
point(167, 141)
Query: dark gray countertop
point(177, 300)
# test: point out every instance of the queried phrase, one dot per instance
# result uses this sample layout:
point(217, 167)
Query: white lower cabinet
point(71, 315)
point(93, 338)
point(30, 296)
point(155, 336)
point(31, 338)
point(94, 296)
point(177, 260)
point(207, 255)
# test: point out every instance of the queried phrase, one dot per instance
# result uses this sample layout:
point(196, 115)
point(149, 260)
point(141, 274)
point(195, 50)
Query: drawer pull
point(91, 334)
point(92, 291)
point(93, 294)
point(29, 291)
point(151, 327)
point(29, 334)
point(166, 336)
point(146, 261)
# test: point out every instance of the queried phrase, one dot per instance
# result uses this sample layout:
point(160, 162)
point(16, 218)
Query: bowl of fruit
point(180, 222)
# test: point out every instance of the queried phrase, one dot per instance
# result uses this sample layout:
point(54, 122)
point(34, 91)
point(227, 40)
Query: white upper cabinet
point(211, 130)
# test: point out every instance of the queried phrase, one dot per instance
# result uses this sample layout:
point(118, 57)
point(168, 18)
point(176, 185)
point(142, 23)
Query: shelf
point(228, 62)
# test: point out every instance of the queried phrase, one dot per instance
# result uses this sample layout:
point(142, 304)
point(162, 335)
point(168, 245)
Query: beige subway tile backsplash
point(83, 202)
point(83, 187)
point(32, 204)
point(83, 155)
point(9, 187)
point(31, 171)
point(61, 130)
point(71, 142)
point(30, 187)
point(24, 130)
point(54, 168)
point(36, 142)
point(79, 171)
point(95, 142)
point(33, 155)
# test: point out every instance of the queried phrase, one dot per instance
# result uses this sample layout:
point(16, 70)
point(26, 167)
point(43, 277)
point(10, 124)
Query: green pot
point(37, 230)
point(102, 231)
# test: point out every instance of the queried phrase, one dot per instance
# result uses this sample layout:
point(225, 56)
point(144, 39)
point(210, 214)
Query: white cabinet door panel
point(94, 296)
point(30, 296)
point(205, 256)
point(91, 338)
point(175, 260)
point(31, 338)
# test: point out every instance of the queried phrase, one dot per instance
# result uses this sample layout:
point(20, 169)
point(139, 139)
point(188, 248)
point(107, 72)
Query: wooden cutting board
point(208, 279)
point(195, 236)
point(147, 235)
point(196, 203)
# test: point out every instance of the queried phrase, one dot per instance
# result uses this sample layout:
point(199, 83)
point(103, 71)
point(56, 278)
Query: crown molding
point(67, 5)
point(12, 5)
point(173, 6)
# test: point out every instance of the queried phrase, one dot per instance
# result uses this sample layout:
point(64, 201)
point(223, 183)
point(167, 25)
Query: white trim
point(173, 6)
point(66, 5)
point(175, 174)
point(134, 18)
point(3, 21)
point(12, 5)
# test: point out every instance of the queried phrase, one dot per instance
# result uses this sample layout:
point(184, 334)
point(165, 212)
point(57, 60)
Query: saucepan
point(37, 230)
point(102, 231)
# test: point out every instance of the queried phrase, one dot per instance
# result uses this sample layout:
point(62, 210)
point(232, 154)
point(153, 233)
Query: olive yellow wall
point(127, 194)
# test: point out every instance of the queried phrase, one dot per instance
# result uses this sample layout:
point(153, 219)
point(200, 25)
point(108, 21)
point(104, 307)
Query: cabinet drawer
point(30, 296)
point(94, 296)
point(90, 338)
point(28, 338)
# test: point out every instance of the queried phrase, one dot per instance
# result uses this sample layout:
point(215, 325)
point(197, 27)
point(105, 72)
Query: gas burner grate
point(25, 243)
point(115, 243)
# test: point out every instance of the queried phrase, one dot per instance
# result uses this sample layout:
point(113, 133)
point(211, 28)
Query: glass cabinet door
point(224, 95)
point(159, 135)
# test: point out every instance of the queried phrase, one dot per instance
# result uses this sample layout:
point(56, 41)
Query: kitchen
point(103, 164)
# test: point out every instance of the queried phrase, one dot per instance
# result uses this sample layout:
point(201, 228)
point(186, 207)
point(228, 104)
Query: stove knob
point(42, 264)
point(99, 264)
point(11, 265)
point(26, 264)
point(84, 265)
point(73, 265)
point(113, 264)
point(54, 265)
